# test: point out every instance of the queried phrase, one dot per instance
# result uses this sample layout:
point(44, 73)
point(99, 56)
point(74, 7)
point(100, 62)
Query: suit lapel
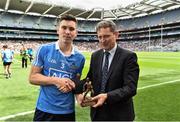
point(114, 61)
point(100, 61)
point(99, 68)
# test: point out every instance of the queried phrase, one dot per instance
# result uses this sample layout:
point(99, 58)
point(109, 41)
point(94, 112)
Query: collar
point(113, 50)
point(57, 48)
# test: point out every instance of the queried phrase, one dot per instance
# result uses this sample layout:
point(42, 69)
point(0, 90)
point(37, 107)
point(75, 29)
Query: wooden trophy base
point(88, 102)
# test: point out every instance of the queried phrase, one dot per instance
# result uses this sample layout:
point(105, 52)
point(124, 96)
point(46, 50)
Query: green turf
point(16, 94)
point(160, 103)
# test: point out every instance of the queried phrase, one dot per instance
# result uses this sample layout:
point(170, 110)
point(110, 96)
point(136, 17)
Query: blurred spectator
point(7, 57)
point(24, 55)
point(30, 53)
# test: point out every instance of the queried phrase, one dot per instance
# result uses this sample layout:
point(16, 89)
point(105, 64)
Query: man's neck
point(66, 48)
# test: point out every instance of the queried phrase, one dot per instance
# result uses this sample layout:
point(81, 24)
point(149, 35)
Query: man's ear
point(116, 34)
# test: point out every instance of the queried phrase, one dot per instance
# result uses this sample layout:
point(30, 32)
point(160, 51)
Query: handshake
point(87, 97)
point(65, 85)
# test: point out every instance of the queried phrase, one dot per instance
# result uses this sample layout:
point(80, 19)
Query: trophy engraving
point(87, 93)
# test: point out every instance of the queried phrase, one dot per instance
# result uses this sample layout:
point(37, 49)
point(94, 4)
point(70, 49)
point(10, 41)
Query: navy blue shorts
point(43, 116)
point(6, 63)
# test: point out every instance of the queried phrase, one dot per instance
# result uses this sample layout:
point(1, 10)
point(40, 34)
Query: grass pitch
point(156, 103)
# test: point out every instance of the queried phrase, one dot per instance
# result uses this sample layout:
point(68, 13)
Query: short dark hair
point(5, 46)
point(68, 17)
point(106, 24)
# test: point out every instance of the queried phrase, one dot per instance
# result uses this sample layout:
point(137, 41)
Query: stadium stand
point(150, 25)
point(159, 31)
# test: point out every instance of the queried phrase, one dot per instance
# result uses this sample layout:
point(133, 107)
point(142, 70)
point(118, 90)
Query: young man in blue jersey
point(55, 68)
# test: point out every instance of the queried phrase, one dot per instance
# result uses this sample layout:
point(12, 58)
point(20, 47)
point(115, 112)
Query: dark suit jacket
point(121, 85)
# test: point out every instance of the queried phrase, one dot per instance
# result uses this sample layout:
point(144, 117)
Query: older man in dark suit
point(114, 74)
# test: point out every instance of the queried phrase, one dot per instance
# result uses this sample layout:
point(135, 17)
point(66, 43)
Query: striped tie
point(105, 72)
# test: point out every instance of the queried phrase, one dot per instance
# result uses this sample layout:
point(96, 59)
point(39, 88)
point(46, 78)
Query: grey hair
point(106, 24)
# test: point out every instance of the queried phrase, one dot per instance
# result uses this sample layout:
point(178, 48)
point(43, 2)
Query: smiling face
point(107, 38)
point(67, 31)
point(107, 34)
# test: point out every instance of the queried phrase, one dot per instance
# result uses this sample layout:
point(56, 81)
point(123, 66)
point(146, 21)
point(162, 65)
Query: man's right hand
point(65, 85)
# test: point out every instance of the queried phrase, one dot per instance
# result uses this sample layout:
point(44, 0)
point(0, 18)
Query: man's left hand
point(101, 98)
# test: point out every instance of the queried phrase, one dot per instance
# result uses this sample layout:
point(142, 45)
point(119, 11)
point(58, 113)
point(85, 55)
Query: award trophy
point(87, 93)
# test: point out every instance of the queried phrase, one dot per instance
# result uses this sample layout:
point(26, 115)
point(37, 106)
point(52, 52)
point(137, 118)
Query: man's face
point(67, 31)
point(107, 39)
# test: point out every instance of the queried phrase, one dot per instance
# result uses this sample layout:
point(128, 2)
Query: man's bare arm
point(36, 78)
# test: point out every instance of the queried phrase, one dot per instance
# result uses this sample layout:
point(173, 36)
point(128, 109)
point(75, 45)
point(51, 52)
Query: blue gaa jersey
point(7, 55)
point(55, 64)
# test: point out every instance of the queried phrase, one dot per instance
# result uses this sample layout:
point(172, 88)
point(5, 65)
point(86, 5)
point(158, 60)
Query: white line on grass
point(158, 84)
point(15, 115)
point(29, 112)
